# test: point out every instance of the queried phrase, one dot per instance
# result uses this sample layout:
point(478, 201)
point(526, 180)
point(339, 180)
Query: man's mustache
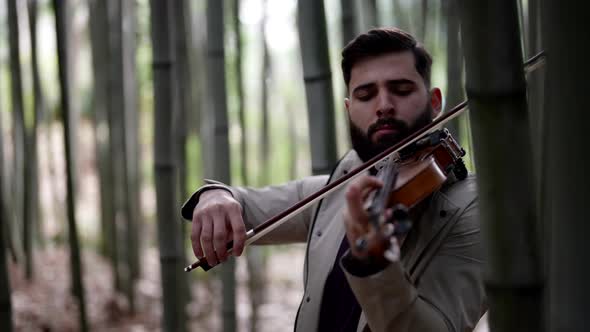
point(392, 123)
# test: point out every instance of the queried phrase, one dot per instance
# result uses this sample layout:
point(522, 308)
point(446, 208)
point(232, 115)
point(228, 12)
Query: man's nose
point(385, 105)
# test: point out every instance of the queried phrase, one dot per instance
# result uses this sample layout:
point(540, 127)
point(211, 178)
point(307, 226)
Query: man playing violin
point(435, 283)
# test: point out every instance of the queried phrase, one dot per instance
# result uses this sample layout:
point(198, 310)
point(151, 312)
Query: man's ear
point(436, 101)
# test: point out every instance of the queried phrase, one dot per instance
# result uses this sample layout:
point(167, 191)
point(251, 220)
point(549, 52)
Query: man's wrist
point(362, 267)
point(188, 207)
point(213, 191)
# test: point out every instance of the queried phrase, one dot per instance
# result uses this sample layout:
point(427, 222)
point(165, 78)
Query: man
point(436, 284)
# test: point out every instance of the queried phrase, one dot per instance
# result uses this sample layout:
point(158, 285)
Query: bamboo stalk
point(38, 114)
point(496, 90)
point(566, 123)
point(165, 166)
point(60, 7)
point(313, 41)
point(220, 142)
point(264, 175)
point(5, 296)
point(18, 121)
point(348, 21)
point(454, 64)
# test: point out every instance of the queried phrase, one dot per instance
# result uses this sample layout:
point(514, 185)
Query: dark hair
point(381, 41)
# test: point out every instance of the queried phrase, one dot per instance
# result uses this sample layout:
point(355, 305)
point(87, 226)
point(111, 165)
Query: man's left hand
point(356, 219)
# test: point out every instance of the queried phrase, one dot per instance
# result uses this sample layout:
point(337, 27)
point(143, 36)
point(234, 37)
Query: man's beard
point(366, 149)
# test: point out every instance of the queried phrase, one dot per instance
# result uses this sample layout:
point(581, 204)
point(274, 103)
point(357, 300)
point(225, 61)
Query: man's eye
point(403, 92)
point(363, 96)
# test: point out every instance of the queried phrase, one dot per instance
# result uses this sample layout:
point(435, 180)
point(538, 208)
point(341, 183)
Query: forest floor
point(46, 304)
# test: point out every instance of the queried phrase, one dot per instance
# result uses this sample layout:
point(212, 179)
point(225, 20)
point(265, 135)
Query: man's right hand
point(217, 219)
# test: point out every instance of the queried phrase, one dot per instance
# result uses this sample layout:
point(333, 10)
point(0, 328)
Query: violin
point(427, 156)
point(420, 170)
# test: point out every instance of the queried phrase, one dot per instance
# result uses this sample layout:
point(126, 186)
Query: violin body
point(425, 170)
point(420, 170)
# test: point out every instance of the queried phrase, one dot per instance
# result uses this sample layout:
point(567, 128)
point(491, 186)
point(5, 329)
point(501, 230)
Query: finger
point(219, 236)
point(365, 185)
point(355, 205)
point(238, 229)
point(207, 241)
point(196, 237)
point(358, 192)
point(354, 231)
point(369, 185)
point(388, 214)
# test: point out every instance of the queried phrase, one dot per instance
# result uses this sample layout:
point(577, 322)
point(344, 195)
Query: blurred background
point(113, 112)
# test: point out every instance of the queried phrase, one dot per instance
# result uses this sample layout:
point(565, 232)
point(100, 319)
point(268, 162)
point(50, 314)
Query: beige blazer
point(437, 286)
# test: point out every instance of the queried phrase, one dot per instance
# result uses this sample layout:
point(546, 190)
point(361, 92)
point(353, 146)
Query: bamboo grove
point(113, 112)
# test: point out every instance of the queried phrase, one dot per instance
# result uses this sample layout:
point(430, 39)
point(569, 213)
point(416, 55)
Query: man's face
point(388, 100)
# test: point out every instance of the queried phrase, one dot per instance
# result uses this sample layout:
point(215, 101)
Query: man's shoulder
point(348, 162)
point(461, 193)
point(310, 184)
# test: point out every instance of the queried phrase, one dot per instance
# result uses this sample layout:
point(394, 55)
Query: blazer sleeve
point(449, 296)
point(260, 204)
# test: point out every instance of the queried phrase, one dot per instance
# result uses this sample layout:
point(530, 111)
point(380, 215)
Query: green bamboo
point(122, 125)
point(535, 79)
point(165, 167)
point(497, 99)
point(265, 176)
point(367, 15)
point(184, 105)
point(30, 162)
point(402, 19)
point(130, 126)
point(101, 55)
point(240, 92)
point(217, 119)
point(313, 40)
point(423, 21)
point(536, 93)
point(348, 21)
point(131, 130)
point(38, 114)
point(117, 138)
point(455, 93)
point(255, 255)
point(184, 89)
point(18, 120)
point(196, 29)
point(75, 249)
point(566, 123)
point(5, 296)
point(292, 132)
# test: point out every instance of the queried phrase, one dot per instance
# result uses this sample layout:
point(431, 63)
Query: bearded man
point(436, 284)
